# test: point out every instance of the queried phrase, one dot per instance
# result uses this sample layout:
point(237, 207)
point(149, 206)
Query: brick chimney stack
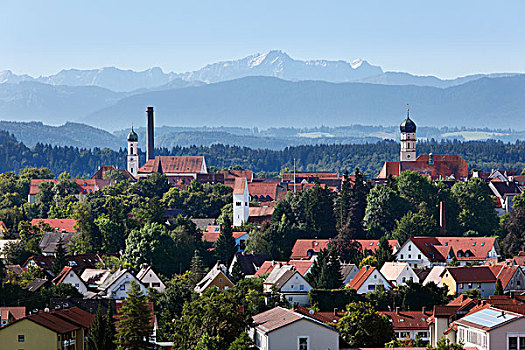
point(150, 136)
point(442, 219)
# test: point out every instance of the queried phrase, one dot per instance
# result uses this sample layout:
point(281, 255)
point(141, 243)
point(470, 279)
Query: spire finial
point(408, 110)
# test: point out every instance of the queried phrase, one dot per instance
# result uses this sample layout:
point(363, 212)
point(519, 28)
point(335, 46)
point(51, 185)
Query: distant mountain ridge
point(274, 63)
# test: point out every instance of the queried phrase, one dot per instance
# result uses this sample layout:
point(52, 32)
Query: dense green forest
point(369, 157)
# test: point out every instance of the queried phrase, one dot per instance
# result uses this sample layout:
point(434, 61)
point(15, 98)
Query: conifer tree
point(134, 322)
point(100, 336)
point(326, 270)
point(196, 269)
point(60, 260)
point(225, 245)
point(383, 253)
point(111, 331)
point(499, 288)
point(237, 273)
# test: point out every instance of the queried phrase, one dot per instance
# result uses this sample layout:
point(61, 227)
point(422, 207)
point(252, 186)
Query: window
point(301, 287)
point(409, 248)
point(422, 334)
point(238, 204)
point(303, 343)
point(403, 279)
point(371, 287)
point(21, 338)
point(479, 285)
point(410, 256)
point(513, 343)
point(220, 280)
point(419, 256)
point(461, 286)
point(401, 256)
point(522, 343)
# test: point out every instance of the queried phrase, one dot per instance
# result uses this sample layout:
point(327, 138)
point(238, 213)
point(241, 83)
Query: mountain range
point(264, 90)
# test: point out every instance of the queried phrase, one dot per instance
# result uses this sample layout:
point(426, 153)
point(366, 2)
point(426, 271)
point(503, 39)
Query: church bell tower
point(408, 139)
point(133, 153)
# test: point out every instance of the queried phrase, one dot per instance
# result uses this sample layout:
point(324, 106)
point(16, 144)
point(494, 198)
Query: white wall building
point(398, 273)
point(241, 202)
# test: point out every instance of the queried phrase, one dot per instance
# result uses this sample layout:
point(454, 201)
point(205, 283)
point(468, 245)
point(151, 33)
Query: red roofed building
point(461, 279)
point(436, 167)
point(69, 276)
point(231, 175)
point(367, 280)
point(174, 166)
point(302, 266)
point(104, 170)
point(85, 186)
point(10, 314)
point(58, 225)
point(423, 252)
point(410, 324)
point(512, 277)
point(306, 248)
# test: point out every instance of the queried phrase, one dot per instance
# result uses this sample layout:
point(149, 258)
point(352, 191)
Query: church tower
point(133, 153)
point(408, 139)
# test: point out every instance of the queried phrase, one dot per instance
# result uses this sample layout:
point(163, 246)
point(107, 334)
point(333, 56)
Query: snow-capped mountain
point(278, 64)
point(8, 76)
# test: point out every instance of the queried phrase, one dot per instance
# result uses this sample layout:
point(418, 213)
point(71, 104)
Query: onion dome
point(408, 125)
point(132, 136)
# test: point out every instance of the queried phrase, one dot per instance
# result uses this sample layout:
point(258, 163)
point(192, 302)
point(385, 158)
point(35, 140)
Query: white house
point(424, 252)
point(118, 285)
point(289, 283)
point(398, 273)
point(241, 201)
point(68, 276)
point(283, 329)
point(149, 278)
point(368, 279)
point(348, 271)
point(492, 329)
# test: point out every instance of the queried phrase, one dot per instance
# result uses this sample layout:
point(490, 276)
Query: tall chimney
point(442, 220)
point(150, 142)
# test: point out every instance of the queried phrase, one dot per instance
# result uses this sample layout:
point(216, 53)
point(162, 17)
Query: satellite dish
point(311, 312)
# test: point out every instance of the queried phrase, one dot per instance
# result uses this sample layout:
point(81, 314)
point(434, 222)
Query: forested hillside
point(486, 155)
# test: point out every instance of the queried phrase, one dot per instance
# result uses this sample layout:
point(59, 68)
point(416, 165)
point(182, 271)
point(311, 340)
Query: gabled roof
point(505, 273)
point(501, 189)
point(49, 242)
point(304, 248)
point(476, 274)
point(62, 275)
point(218, 269)
point(212, 237)
point(95, 276)
point(12, 312)
point(404, 320)
point(203, 223)
point(488, 319)
point(239, 185)
point(361, 277)
point(391, 270)
point(108, 282)
point(36, 284)
point(250, 263)
point(443, 166)
point(230, 175)
point(59, 225)
point(273, 319)
point(302, 266)
point(280, 275)
point(436, 249)
point(260, 211)
point(62, 321)
point(173, 164)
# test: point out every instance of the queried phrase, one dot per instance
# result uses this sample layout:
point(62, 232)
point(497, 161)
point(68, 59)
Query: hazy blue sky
point(443, 38)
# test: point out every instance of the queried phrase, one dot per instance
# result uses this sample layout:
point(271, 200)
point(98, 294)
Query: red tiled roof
point(301, 266)
point(275, 318)
point(260, 211)
point(212, 237)
point(504, 273)
point(63, 321)
point(287, 177)
point(361, 277)
point(408, 319)
point(444, 166)
point(303, 246)
point(85, 185)
point(15, 312)
point(59, 225)
point(265, 191)
point(476, 274)
point(61, 275)
point(325, 317)
point(173, 164)
point(437, 248)
point(239, 185)
point(101, 173)
point(232, 174)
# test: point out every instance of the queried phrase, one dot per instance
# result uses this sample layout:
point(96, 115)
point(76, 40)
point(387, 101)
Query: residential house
point(150, 279)
point(302, 266)
point(241, 238)
point(398, 273)
point(505, 191)
point(57, 225)
point(241, 202)
point(367, 280)
point(443, 315)
point(56, 329)
point(283, 329)
point(512, 277)
point(104, 170)
point(425, 252)
point(49, 242)
point(9, 314)
point(249, 263)
point(174, 166)
point(118, 285)
point(85, 186)
point(492, 329)
point(69, 276)
point(434, 275)
point(203, 223)
point(348, 272)
point(461, 279)
point(410, 324)
point(309, 248)
point(93, 278)
point(216, 278)
point(289, 284)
